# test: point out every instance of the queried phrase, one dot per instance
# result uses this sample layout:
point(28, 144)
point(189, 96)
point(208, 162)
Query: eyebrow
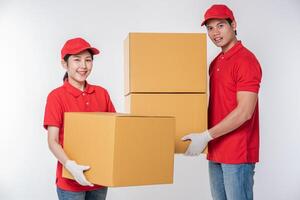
point(222, 22)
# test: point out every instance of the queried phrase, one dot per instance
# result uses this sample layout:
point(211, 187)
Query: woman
point(75, 95)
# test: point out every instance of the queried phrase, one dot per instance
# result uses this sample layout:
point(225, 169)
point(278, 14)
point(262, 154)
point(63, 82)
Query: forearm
point(231, 122)
point(243, 112)
point(58, 152)
point(75, 169)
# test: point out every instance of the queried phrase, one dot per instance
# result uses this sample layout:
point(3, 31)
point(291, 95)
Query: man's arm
point(243, 112)
point(246, 105)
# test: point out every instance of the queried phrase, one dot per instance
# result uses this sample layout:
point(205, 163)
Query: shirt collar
point(75, 91)
point(233, 50)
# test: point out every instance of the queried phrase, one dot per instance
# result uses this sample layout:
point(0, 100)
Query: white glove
point(198, 142)
point(77, 172)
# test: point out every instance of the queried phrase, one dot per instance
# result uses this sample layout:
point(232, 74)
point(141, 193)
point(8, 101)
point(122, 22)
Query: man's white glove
point(77, 172)
point(198, 142)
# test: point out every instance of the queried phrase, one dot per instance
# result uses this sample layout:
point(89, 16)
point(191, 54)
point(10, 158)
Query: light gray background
point(31, 36)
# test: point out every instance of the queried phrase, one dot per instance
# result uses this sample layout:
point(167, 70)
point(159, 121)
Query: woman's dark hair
point(66, 58)
point(229, 22)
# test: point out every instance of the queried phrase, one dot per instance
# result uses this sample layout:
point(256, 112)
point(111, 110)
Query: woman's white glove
point(198, 142)
point(77, 172)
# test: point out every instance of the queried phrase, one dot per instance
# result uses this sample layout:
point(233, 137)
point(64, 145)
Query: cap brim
point(92, 49)
point(215, 17)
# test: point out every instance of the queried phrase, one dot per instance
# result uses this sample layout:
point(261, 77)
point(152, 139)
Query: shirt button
point(218, 69)
point(222, 57)
point(83, 94)
point(87, 103)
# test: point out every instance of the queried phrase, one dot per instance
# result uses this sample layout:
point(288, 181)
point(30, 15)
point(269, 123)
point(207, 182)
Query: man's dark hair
point(230, 22)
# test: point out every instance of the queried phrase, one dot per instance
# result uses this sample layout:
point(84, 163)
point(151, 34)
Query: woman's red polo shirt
point(70, 99)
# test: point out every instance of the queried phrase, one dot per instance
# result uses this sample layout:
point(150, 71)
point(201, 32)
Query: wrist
point(69, 162)
point(209, 136)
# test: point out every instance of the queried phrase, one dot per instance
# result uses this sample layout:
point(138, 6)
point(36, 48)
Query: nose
point(83, 64)
point(215, 31)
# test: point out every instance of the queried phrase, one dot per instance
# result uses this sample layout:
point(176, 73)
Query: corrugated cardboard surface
point(165, 62)
point(190, 111)
point(122, 150)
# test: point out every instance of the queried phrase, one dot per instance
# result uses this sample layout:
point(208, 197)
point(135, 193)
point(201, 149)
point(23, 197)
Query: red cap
point(218, 12)
point(77, 45)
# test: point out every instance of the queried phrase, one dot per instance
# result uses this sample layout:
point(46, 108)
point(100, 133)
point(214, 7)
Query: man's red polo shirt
point(230, 72)
point(70, 99)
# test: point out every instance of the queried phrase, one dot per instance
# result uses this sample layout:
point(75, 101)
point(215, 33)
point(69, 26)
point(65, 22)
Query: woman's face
point(79, 66)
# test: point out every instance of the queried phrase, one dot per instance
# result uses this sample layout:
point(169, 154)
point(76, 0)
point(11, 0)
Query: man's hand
point(198, 142)
point(77, 172)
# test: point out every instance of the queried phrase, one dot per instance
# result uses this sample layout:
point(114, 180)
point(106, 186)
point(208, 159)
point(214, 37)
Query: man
point(233, 134)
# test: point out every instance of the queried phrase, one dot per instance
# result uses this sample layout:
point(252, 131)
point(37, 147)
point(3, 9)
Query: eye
point(88, 60)
point(76, 59)
point(220, 25)
point(209, 28)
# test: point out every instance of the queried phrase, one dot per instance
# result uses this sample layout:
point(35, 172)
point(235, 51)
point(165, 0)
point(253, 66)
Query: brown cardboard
point(122, 150)
point(190, 111)
point(165, 62)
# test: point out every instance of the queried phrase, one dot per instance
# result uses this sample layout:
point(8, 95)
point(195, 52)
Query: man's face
point(221, 33)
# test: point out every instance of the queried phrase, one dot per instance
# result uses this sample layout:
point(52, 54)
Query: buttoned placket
point(220, 63)
point(85, 99)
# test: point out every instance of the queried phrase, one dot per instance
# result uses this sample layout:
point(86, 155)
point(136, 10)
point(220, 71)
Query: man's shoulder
point(247, 60)
point(247, 55)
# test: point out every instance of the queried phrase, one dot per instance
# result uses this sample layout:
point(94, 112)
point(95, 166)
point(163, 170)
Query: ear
point(233, 25)
point(64, 64)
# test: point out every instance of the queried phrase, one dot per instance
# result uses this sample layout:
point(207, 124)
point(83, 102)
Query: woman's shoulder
point(56, 92)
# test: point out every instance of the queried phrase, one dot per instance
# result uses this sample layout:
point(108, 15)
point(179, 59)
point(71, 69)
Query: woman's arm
point(75, 169)
point(54, 145)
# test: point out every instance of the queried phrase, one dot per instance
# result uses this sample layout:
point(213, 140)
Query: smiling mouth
point(218, 39)
point(82, 73)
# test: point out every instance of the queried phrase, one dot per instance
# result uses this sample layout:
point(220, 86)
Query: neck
point(229, 45)
point(78, 85)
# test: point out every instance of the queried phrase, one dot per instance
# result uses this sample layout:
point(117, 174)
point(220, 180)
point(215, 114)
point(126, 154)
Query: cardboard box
point(165, 62)
point(122, 150)
point(190, 111)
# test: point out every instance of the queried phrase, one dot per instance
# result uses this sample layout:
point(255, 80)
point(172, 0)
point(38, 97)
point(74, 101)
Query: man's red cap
point(77, 45)
point(218, 11)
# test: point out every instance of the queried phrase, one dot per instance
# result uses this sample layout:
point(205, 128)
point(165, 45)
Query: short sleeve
point(248, 75)
point(110, 105)
point(53, 112)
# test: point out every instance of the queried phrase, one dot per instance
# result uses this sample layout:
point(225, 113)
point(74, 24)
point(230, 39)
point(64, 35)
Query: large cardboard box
point(122, 150)
point(165, 63)
point(190, 111)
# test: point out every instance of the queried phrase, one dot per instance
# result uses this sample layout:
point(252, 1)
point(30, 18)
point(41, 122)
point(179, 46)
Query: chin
point(80, 80)
point(219, 45)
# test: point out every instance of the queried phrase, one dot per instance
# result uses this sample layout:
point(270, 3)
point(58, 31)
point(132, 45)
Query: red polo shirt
point(70, 99)
point(230, 72)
